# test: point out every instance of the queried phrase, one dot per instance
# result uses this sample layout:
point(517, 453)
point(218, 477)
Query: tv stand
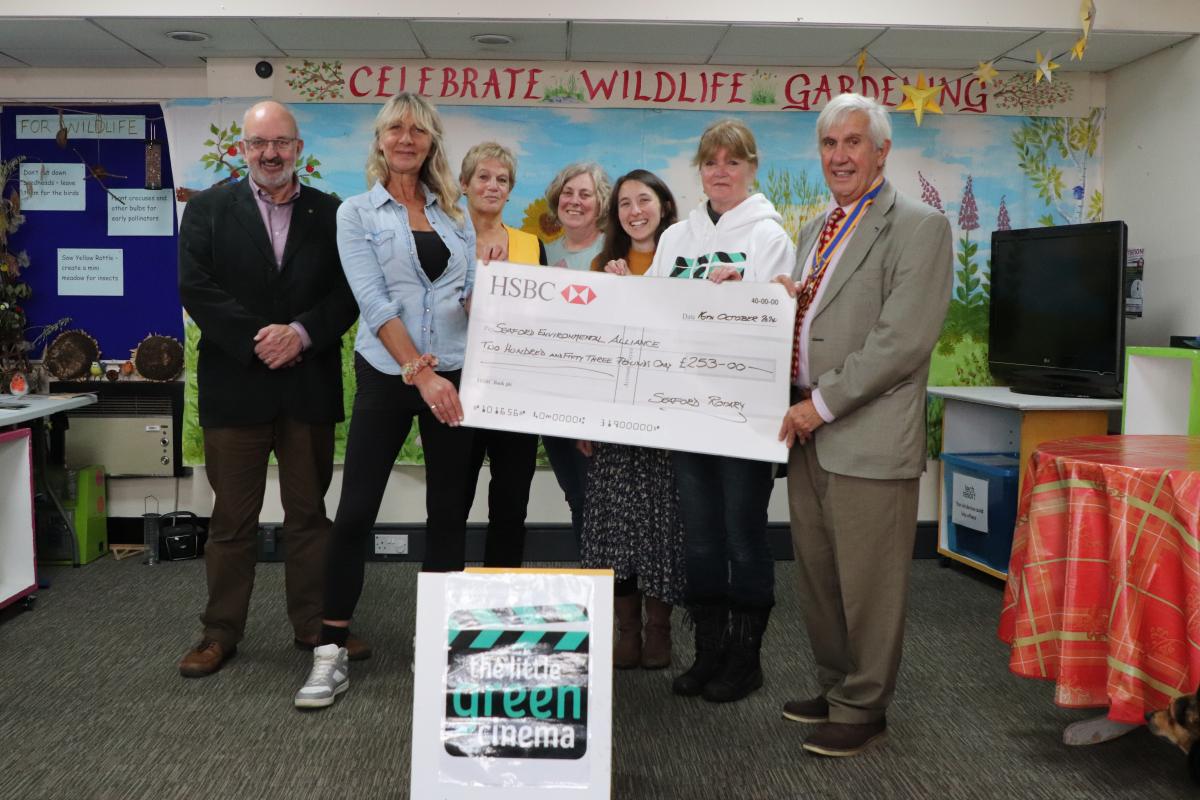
point(1043, 391)
point(996, 419)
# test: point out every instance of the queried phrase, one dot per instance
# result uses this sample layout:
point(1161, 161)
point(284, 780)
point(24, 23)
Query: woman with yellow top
point(489, 172)
point(631, 520)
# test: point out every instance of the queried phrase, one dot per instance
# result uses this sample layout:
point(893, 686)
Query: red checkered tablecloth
point(1103, 590)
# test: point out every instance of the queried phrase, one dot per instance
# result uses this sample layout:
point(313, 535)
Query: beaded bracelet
point(410, 370)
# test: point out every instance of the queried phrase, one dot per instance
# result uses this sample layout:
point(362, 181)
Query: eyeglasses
point(282, 143)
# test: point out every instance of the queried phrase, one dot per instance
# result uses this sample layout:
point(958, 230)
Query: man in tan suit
point(872, 282)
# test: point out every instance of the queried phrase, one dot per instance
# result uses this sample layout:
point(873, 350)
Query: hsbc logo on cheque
point(579, 295)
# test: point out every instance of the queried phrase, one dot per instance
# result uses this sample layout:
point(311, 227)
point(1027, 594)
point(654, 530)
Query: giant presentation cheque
point(657, 362)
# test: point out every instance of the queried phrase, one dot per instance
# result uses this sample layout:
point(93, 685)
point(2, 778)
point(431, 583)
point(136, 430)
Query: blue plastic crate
point(981, 528)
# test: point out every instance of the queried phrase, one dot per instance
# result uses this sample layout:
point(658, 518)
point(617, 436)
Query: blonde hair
point(599, 178)
point(482, 152)
point(435, 172)
point(731, 134)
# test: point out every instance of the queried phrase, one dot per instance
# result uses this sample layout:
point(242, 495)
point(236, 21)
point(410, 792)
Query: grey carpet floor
point(91, 707)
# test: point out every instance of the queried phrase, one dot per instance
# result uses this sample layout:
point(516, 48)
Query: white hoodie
point(747, 236)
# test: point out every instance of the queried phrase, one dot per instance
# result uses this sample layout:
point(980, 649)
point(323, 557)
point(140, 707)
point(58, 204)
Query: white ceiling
point(142, 42)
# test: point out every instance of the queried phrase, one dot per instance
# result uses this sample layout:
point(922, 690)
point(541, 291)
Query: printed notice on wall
point(1135, 266)
point(87, 271)
point(52, 187)
point(146, 212)
point(970, 502)
point(81, 126)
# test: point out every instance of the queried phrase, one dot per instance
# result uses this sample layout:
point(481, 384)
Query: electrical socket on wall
point(391, 544)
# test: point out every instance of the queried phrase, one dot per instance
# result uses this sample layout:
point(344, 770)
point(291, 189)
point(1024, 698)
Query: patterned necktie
point(808, 287)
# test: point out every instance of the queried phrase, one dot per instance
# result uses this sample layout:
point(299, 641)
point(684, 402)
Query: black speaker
point(181, 536)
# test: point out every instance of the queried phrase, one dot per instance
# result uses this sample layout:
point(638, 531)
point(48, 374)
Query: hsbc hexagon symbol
point(579, 295)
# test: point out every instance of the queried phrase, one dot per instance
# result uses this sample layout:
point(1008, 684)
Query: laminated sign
point(522, 664)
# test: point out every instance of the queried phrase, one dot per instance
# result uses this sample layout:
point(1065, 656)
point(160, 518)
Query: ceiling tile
point(792, 45)
point(384, 38)
point(55, 34)
point(966, 47)
point(644, 42)
point(230, 38)
point(178, 58)
point(78, 57)
point(531, 40)
point(6, 61)
point(1103, 48)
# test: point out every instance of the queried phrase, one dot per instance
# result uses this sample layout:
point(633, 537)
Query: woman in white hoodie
point(734, 235)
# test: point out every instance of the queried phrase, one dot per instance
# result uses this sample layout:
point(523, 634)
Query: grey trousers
point(853, 540)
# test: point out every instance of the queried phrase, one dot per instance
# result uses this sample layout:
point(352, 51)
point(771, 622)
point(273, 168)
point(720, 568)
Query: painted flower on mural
point(537, 220)
point(1023, 93)
point(1003, 223)
point(929, 194)
point(315, 81)
point(968, 211)
point(564, 91)
point(762, 88)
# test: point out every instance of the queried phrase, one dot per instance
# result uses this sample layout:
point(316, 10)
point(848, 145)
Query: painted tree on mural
point(225, 159)
point(1073, 141)
point(316, 81)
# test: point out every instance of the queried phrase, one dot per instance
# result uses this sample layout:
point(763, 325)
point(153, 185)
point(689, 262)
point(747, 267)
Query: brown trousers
point(853, 540)
point(236, 464)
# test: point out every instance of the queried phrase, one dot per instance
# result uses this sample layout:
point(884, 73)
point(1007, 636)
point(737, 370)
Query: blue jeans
point(570, 468)
point(723, 501)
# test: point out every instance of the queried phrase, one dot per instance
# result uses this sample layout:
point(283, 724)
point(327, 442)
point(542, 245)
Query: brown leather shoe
point(204, 659)
point(356, 649)
point(627, 649)
point(656, 646)
point(814, 709)
point(844, 739)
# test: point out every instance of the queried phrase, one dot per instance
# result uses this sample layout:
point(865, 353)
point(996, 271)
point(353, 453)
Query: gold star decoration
point(1044, 67)
point(986, 73)
point(1078, 48)
point(861, 63)
point(1087, 15)
point(919, 99)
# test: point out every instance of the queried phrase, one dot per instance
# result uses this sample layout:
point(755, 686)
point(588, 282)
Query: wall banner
point(513, 689)
point(704, 88)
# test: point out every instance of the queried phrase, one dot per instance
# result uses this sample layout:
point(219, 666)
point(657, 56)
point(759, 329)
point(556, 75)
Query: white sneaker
point(330, 677)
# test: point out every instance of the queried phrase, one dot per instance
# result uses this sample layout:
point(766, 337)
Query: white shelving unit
point(995, 419)
point(18, 569)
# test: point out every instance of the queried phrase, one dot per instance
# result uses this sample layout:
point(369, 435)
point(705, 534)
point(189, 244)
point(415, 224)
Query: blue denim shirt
point(379, 257)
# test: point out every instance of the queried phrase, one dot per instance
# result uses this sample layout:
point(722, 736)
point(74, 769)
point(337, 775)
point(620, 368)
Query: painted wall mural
point(983, 171)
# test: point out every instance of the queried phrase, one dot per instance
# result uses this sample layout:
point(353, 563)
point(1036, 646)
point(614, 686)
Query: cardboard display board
point(513, 687)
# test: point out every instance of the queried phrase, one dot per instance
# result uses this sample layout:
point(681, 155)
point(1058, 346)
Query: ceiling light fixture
point(502, 39)
point(187, 36)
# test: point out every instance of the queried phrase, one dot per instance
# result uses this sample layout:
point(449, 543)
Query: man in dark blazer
point(872, 283)
point(260, 276)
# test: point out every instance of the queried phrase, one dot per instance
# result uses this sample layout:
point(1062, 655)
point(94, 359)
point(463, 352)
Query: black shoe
point(712, 621)
point(692, 682)
point(741, 673)
point(814, 709)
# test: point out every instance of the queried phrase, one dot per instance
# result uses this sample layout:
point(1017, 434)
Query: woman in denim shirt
point(408, 252)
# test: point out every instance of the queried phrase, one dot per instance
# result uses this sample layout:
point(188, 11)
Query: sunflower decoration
point(71, 355)
point(539, 222)
point(158, 358)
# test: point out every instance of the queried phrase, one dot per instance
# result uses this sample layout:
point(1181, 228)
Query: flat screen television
point(1057, 321)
